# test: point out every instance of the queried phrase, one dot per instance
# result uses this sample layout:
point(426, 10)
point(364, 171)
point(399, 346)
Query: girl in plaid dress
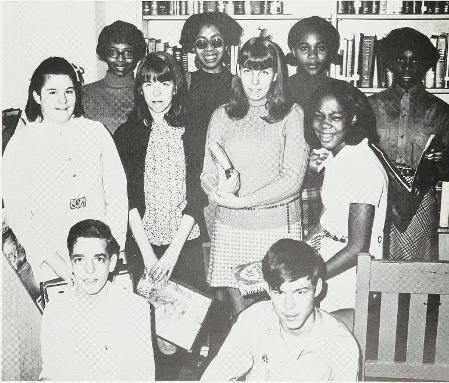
point(263, 137)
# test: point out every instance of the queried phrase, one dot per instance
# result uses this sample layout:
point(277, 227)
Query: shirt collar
point(309, 342)
point(414, 91)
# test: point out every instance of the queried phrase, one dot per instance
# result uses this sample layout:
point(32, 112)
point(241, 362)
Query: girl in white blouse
point(59, 169)
point(354, 189)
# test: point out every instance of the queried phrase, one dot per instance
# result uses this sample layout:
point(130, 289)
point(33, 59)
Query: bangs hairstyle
point(92, 228)
point(160, 67)
point(399, 40)
point(353, 103)
point(289, 260)
point(48, 67)
point(121, 32)
point(260, 53)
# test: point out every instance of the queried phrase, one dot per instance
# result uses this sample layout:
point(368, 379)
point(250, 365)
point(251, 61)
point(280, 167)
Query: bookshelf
point(167, 28)
point(349, 25)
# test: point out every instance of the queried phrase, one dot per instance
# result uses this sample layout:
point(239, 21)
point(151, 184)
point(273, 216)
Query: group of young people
point(69, 184)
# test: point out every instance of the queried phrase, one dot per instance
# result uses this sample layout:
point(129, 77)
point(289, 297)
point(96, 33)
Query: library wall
point(33, 31)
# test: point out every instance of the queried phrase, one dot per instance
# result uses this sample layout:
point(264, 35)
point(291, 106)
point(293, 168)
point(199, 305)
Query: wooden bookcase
point(168, 27)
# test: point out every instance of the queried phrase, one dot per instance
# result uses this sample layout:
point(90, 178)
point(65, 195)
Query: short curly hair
point(399, 40)
point(228, 27)
point(92, 228)
point(353, 102)
point(318, 24)
point(121, 32)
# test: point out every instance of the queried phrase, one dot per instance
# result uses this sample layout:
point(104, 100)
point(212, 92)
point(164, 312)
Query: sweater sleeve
point(209, 175)
point(114, 184)
point(294, 164)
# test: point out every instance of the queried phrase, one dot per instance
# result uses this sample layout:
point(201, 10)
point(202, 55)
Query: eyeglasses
point(114, 53)
point(215, 42)
point(402, 61)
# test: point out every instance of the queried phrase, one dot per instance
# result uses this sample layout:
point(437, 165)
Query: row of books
point(363, 66)
point(388, 7)
point(187, 59)
point(153, 8)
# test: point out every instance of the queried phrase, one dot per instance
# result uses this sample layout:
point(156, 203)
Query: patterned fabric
point(311, 203)
point(109, 100)
point(164, 184)
point(405, 120)
point(233, 246)
point(257, 348)
point(418, 240)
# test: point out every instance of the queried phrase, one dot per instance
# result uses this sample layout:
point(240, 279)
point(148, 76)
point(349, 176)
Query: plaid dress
point(418, 241)
point(233, 246)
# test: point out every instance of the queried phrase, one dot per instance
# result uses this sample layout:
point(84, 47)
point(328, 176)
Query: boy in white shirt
point(95, 331)
point(288, 338)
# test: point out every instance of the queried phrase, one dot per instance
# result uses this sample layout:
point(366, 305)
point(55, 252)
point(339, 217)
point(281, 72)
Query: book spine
point(189, 7)
point(407, 7)
point(341, 8)
point(146, 8)
point(350, 59)
point(429, 7)
point(383, 7)
point(429, 80)
point(440, 69)
point(209, 6)
point(344, 46)
point(367, 61)
point(228, 7)
point(417, 7)
point(357, 40)
point(366, 7)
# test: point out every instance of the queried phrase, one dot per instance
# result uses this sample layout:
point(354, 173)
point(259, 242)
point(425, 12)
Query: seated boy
point(288, 338)
point(94, 331)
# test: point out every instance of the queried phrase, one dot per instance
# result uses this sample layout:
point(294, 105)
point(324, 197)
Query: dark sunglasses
point(215, 42)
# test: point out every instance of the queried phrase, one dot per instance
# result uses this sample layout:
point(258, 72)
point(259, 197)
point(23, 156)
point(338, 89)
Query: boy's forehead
point(85, 245)
point(300, 283)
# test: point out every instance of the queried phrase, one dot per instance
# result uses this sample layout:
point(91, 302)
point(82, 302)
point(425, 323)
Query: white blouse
point(56, 175)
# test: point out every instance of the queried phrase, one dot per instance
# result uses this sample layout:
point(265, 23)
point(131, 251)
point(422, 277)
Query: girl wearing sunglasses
point(207, 35)
point(263, 136)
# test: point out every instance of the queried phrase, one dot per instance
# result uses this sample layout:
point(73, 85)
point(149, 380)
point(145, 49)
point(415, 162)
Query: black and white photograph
point(225, 190)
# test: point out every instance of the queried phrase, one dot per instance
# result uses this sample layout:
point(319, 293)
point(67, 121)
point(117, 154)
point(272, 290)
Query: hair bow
point(79, 71)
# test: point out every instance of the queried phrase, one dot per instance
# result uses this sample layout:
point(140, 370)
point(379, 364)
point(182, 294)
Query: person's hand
point(161, 272)
point(228, 185)
point(229, 200)
point(317, 158)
